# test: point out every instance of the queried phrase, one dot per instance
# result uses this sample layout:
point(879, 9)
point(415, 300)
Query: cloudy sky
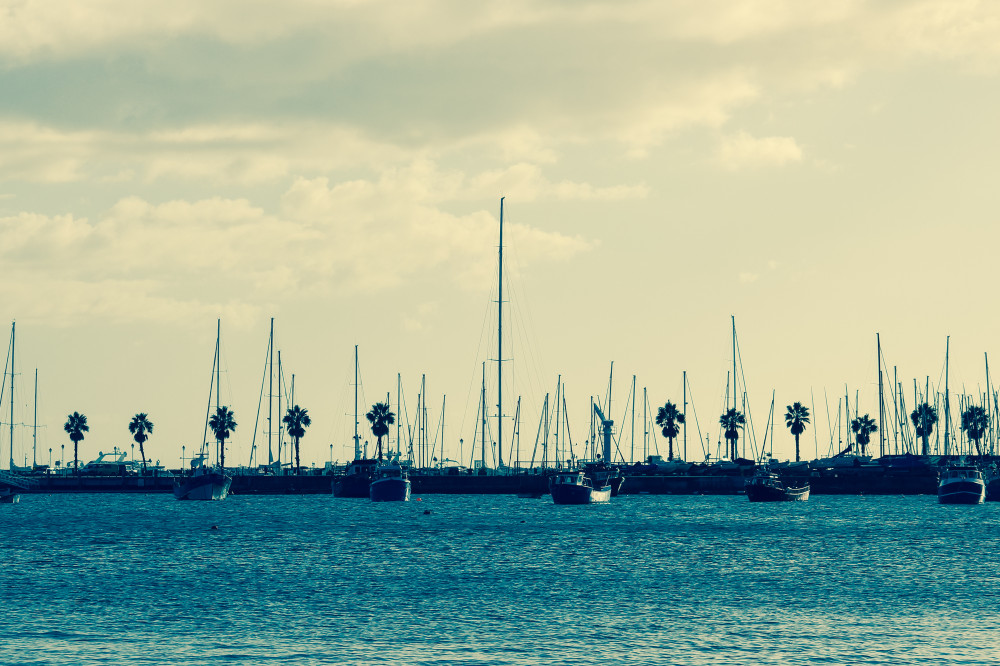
point(822, 173)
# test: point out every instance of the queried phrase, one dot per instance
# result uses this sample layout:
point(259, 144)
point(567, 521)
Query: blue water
point(132, 579)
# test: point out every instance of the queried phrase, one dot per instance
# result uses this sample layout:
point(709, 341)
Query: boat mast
point(500, 345)
point(632, 427)
point(947, 410)
point(734, 452)
point(399, 422)
point(482, 435)
point(218, 375)
point(12, 396)
point(34, 427)
point(270, 393)
point(281, 382)
point(685, 381)
point(881, 404)
point(357, 446)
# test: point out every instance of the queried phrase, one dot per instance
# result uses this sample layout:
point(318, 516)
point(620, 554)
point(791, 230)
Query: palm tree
point(924, 417)
point(974, 423)
point(667, 417)
point(297, 420)
point(863, 427)
point(796, 419)
point(76, 425)
point(222, 423)
point(380, 418)
point(732, 421)
point(141, 428)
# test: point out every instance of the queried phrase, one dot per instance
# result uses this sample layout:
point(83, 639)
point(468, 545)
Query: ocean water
point(133, 579)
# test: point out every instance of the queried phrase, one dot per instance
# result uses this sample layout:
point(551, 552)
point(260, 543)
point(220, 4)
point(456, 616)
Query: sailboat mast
point(881, 403)
point(270, 394)
point(685, 381)
point(500, 344)
point(12, 395)
point(34, 427)
point(399, 421)
point(281, 382)
point(947, 410)
point(357, 446)
point(482, 435)
point(218, 379)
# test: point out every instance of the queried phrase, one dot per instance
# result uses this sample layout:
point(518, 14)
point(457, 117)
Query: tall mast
point(270, 393)
point(881, 404)
point(399, 421)
point(34, 427)
point(685, 414)
point(218, 360)
point(219, 452)
point(281, 428)
point(482, 435)
point(734, 361)
point(947, 410)
point(357, 445)
point(632, 452)
point(12, 396)
point(500, 344)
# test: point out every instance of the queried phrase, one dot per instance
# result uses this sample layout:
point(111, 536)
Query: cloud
point(743, 151)
point(140, 261)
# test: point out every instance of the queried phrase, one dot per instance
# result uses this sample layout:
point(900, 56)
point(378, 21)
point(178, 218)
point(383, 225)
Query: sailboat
point(357, 478)
point(205, 482)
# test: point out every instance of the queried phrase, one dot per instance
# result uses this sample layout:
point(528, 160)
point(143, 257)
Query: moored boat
point(356, 480)
point(9, 495)
point(576, 488)
point(767, 486)
point(204, 483)
point(961, 484)
point(390, 484)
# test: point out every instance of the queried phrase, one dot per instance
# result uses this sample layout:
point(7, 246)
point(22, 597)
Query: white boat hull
point(209, 487)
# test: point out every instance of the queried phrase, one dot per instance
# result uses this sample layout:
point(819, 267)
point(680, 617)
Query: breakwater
point(699, 480)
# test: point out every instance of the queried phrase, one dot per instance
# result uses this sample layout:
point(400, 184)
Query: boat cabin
point(960, 473)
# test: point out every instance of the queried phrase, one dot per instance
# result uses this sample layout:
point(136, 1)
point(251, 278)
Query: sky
point(821, 173)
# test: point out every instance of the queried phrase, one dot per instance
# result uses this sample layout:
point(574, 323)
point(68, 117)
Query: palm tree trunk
point(298, 467)
point(76, 460)
point(143, 454)
point(222, 454)
point(927, 447)
point(796, 448)
point(670, 454)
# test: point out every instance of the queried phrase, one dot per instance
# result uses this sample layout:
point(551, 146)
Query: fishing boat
point(203, 483)
point(575, 487)
point(357, 478)
point(390, 483)
point(961, 484)
point(767, 486)
point(602, 475)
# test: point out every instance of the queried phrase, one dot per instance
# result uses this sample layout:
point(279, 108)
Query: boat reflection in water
point(961, 484)
point(391, 483)
point(766, 486)
point(576, 488)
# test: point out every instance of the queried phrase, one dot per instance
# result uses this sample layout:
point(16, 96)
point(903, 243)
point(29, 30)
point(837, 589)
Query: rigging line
point(260, 401)
point(752, 440)
point(474, 375)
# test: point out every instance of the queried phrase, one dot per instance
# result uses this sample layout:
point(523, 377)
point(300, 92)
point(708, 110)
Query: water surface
point(133, 579)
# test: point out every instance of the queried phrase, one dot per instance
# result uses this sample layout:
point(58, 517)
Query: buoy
point(215, 527)
point(427, 512)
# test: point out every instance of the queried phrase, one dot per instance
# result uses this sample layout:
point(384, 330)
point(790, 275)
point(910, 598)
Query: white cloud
point(154, 262)
point(743, 151)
